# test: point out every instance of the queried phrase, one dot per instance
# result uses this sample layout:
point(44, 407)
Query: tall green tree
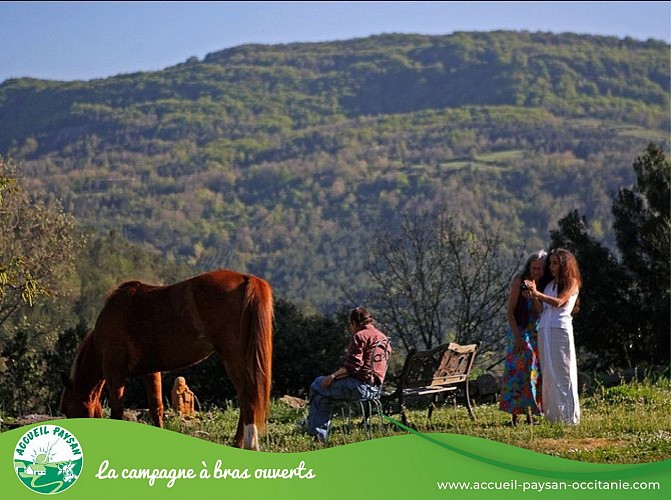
point(643, 232)
point(624, 314)
point(37, 253)
point(604, 335)
point(37, 245)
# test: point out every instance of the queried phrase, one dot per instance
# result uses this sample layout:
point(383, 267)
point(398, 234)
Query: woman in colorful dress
point(521, 387)
point(555, 338)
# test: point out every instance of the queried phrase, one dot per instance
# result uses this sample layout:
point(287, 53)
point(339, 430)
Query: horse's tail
point(258, 310)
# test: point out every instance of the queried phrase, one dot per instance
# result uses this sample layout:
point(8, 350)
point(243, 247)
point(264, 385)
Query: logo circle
point(48, 459)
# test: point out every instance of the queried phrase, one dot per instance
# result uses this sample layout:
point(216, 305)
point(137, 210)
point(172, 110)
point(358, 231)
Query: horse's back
point(159, 328)
point(221, 280)
point(137, 297)
point(216, 286)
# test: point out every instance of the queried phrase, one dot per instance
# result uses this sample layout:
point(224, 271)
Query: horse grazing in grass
point(144, 329)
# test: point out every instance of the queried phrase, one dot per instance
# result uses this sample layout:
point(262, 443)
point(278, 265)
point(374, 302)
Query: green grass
point(491, 161)
point(502, 156)
point(626, 424)
point(641, 133)
point(458, 164)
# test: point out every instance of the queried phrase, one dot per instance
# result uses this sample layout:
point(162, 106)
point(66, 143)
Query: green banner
point(107, 459)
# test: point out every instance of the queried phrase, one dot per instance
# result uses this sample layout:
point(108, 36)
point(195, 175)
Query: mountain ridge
point(284, 159)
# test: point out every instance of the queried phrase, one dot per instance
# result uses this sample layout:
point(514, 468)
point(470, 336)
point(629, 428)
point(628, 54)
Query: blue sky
point(86, 40)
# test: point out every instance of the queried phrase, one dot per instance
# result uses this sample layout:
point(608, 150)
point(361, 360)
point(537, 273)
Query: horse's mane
point(85, 344)
point(130, 287)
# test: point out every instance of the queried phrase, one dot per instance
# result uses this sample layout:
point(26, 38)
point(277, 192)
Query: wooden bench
point(443, 369)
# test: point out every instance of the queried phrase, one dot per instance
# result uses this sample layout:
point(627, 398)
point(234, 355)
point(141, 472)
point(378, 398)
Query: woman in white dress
point(556, 347)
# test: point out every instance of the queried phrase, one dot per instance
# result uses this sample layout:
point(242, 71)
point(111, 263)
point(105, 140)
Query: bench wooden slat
point(421, 391)
point(445, 368)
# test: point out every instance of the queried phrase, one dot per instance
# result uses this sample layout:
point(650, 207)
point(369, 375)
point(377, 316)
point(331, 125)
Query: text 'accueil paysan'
point(48, 459)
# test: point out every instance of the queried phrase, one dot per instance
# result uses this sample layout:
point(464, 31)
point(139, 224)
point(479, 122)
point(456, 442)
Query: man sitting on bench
point(360, 377)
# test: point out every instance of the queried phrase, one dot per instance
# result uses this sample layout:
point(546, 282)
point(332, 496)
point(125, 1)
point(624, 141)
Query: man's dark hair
point(360, 316)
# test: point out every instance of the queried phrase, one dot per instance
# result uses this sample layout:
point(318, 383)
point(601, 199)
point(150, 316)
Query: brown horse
point(143, 330)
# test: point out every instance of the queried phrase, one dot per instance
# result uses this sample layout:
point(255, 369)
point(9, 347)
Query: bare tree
point(479, 278)
point(440, 278)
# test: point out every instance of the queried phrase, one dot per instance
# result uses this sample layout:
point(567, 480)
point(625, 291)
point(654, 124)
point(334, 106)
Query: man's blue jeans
point(348, 388)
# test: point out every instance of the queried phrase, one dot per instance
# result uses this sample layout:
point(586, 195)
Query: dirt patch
point(26, 420)
point(584, 444)
point(294, 402)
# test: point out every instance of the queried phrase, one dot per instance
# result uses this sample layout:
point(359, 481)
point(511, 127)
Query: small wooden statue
point(183, 401)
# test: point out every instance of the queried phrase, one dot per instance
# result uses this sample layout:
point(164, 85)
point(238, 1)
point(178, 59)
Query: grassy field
point(629, 423)
point(492, 161)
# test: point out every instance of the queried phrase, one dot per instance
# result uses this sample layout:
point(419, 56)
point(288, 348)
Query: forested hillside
point(285, 160)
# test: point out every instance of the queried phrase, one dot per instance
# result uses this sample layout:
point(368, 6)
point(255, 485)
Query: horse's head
point(75, 404)
point(82, 388)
